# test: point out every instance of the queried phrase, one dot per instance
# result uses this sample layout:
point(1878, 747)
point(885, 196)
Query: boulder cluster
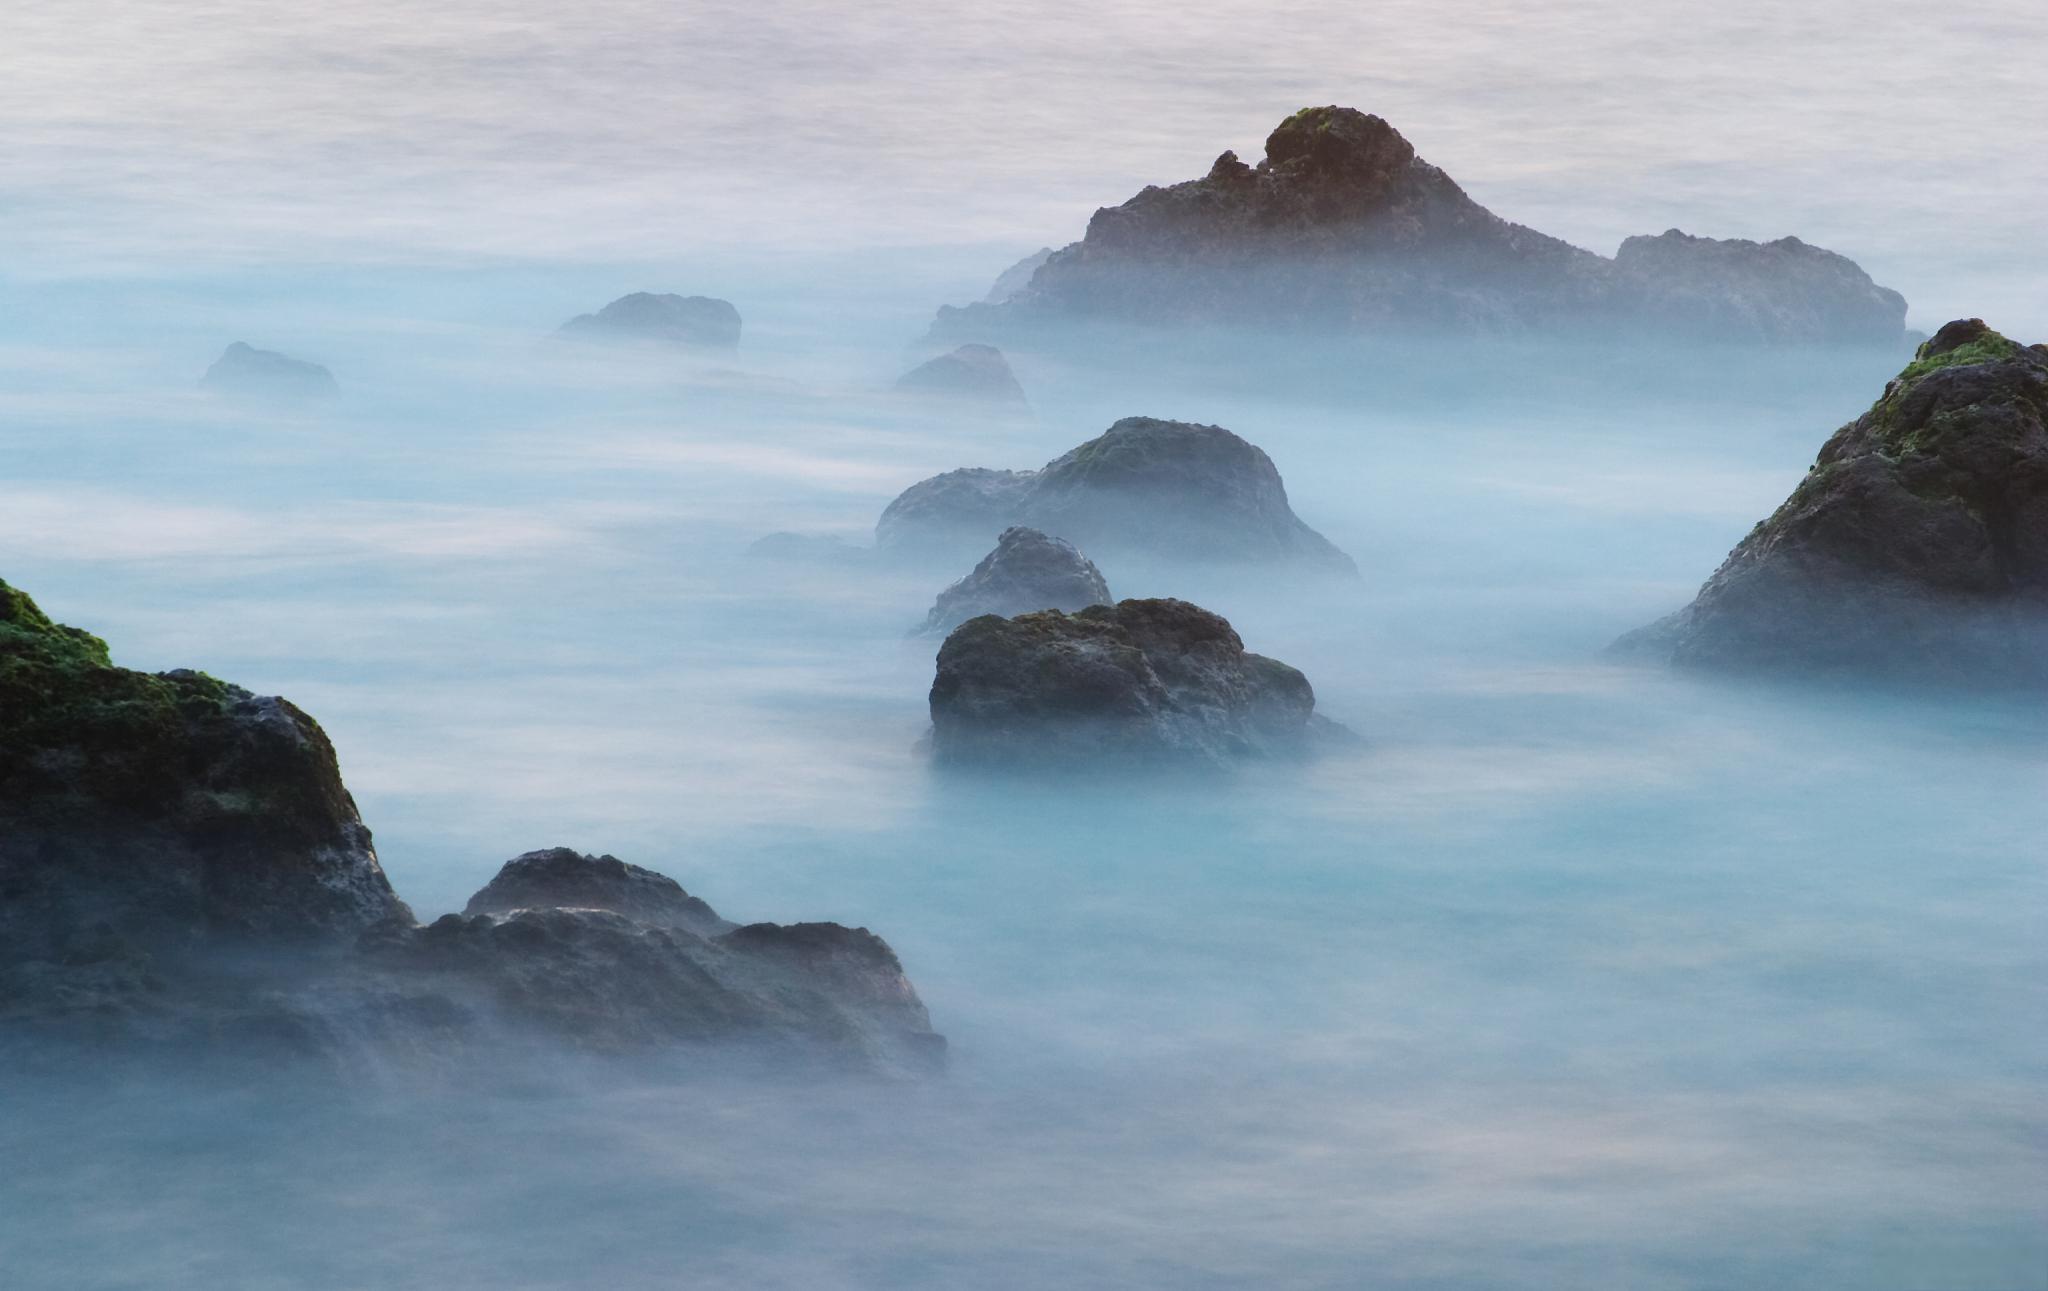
point(180, 861)
point(1342, 228)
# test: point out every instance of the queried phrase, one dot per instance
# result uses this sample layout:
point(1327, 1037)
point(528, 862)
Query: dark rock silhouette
point(560, 877)
point(1342, 228)
point(1027, 571)
point(1139, 682)
point(1917, 545)
point(973, 372)
point(244, 371)
point(181, 868)
point(689, 322)
point(1168, 489)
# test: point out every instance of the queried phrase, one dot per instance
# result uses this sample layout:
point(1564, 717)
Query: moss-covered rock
point(1917, 544)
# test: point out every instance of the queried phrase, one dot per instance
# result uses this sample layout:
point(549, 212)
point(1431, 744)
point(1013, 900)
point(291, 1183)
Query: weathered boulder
point(559, 877)
point(1167, 489)
point(1027, 571)
point(165, 810)
point(1917, 544)
point(669, 320)
point(1343, 229)
point(244, 371)
point(971, 372)
point(1140, 682)
point(182, 869)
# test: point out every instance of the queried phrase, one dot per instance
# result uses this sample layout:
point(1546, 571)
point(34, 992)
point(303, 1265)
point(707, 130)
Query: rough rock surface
point(975, 372)
point(164, 810)
point(693, 322)
point(1170, 489)
point(244, 371)
point(1141, 682)
point(182, 869)
point(1027, 571)
point(1916, 545)
point(560, 877)
point(1343, 228)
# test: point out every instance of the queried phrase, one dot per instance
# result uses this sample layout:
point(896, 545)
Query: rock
point(1017, 277)
point(182, 873)
point(244, 371)
point(1916, 546)
point(976, 372)
point(165, 810)
point(1343, 229)
point(669, 320)
point(1167, 489)
point(1143, 682)
point(559, 877)
point(1769, 292)
point(1026, 571)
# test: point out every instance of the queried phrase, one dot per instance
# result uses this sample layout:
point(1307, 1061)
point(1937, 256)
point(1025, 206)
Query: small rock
point(1027, 571)
point(247, 372)
point(690, 322)
point(974, 372)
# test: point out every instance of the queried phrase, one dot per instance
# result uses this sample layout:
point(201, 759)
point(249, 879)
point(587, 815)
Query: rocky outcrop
point(244, 371)
point(181, 868)
point(1342, 228)
point(1139, 682)
point(165, 810)
point(1017, 277)
point(1167, 489)
point(560, 878)
point(667, 320)
point(1027, 571)
point(1917, 544)
point(972, 372)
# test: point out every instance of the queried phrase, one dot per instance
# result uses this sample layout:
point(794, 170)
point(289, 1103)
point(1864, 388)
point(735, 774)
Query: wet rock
point(1140, 682)
point(1916, 546)
point(971, 372)
point(1027, 571)
point(183, 872)
point(1342, 229)
point(244, 371)
point(668, 320)
point(559, 877)
point(1167, 489)
point(165, 810)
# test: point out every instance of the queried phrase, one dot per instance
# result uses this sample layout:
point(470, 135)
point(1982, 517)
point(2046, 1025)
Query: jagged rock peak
point(1916, 546)
point(1027, 570)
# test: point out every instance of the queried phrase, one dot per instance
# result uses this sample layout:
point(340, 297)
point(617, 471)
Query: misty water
point(1569, 974)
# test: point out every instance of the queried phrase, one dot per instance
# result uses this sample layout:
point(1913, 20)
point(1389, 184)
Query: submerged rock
point(976, 372)
point(244, 371)
point(1027, 571)
point(1917, 544)
point(1342, 228)
point(690, 322)
point(1151, 681)
point(1168, 489)
point(181, 867)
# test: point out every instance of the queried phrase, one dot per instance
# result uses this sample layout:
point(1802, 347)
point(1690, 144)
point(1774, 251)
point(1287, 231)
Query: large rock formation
point(1139, 682)
point(1167, 489)
point(1027, 571)
point(971, 372)
point(1343, 228)
point(165, 810)
point(244, 371)
point(669, 320)
point(181, 866)
point(1916, 545)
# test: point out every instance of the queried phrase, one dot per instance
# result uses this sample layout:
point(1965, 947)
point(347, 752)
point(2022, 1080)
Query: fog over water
point(1569, 975)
